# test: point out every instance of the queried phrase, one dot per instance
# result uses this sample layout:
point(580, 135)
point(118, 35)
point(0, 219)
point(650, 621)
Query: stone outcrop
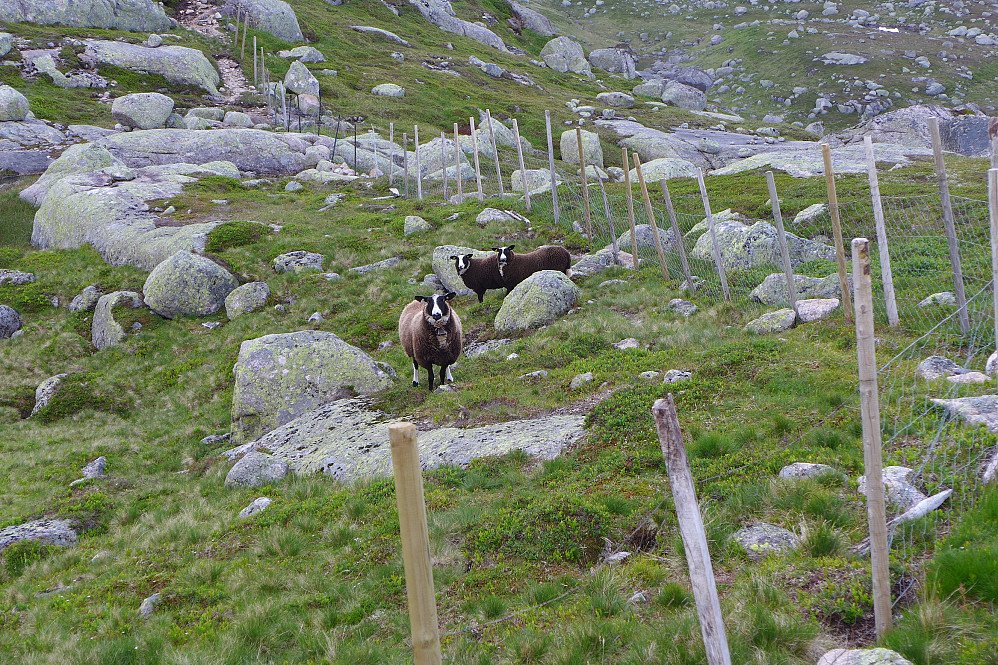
point(441, 14)
point(743, 247)
point(878, 656)
point(105, 329)
point(246, 299)
point(536, 301)
point(564, 55)
point(187, 284)
point(177, 64)
point(46, 390)
point(592, 151)
point(271, 16)
point(615, 61)
point(59, 533)
point(10, 321)
point(131, 15)
point(772, 322)
point(774, 291)
point(763, 538)
point(14, 106)
point(532, 20)
point(142, 110)
point(256, 469)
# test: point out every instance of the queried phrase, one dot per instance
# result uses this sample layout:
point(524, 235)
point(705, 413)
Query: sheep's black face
point(505, 254)
point(462, 263)
point(436, 311)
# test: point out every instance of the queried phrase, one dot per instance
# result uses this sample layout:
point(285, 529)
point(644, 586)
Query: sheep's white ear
point(449, 295)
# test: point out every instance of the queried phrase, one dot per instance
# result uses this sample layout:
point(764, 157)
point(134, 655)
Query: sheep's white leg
point(450, 377)
point(415, 374)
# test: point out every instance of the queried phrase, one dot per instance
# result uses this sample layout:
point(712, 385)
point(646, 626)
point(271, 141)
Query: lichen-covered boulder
point(131, 15)
point(279, 377)
point(299, 261)
point(10, 321)
point(774, 291)
point(256, 469)
point(6, 43)
point(665, 167)
point(441, 14)
point(142, 110)
point(46, 390)
point(564, 55)
point(878, 656)
point(943, 298)
point(237, 119)
point(444, 268)
point(804, 470)
point(177, 64)
point(300, 80)
point(591, 149)
point(816, 309)
point(272, 16)
point(16, 277)
point(744, 247)
point(937, 367)
point(810, 213)
point(538, 181)
point(536, 301)
point(614, 61)
point(899, 493)
point(246, 298)
point(685, 97)
point(187, 284)
point(77, 159)
point(303, 53)
point(59, 533)
point(646, 238)
point(763, 538)
point(105, 330)
point(619, 100)
point(258, 505)
point(593, 264)
point(13, 105)
point(388, 90)
point(772, 322)
point(415, 224)
point(532, 20)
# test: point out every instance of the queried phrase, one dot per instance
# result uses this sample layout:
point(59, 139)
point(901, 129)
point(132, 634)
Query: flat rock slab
point(763, 538)
point(981, 410)
point(51, 532)
point(878, 656)
point(815, 309)
point(778, 321)
point(348, 440)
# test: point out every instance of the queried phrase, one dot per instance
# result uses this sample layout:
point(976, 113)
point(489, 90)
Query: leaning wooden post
point(457, 167)
point(391, 154)
point(263, 67)
point(255, 81)
point(235, 40)
point(993, 135)
point(870, 405)
point(415, 544)
point(833, 210)
point(443, 161)
point(609, 221)
point(887, 275)
point(495, 153)
point(678, 235)
point(554, 176)
point(950, 222)
point(242, 51)
point(651, 216)
point(419, 170)
point(684, 495)
point(478, 166)
point(718, 257)
point(630, 207)
point(781, 237)
point(993, 210)
point(405, 162)
point(523, 170)
point(586, 213)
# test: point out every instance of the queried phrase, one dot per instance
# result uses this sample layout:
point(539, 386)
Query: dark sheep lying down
point(514, 268)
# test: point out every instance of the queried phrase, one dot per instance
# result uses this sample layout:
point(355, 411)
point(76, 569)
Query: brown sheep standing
point(430, 332)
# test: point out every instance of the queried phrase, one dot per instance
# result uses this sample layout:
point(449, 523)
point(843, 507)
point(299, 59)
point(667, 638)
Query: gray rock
point(804, 470)
point(816, 309)
point(187, 284)
point(246, 299)
point(299, 261)
point(256, 469)
point(945, 298)
point(684, 307)
point(981, 410)
point(619, 100)
point(207, 112)
point(763, 538)
point(539, 374)
point(878, 656)
point(177, 64)
point(13, 105)
point(564, 55)
point(388, 90)
point(237, 119)
point(695, 78)
point(415, 224)
point(810, 213)
point(665, 167)
point(347, 440)
point(482, 348)
point(95, 469)
point(773, 290)
point(131, 15)
point(743, 247)
point(536, 301)
point(380, 265)
point(675, 376)
point(591, 149)
point(271, 16)
point(444, 268)
point(308, 54)
point(615, 61)
point(816, 128)
point(772, 322)
point(835, 58)
point(937, 367)
point(593, 264)
point(538, 181)
point(299, 80)
point(154, 40)
point(532, 20)
point(683, 96)
point(105, 330)
point(991, 366)
point(294, 186)
point(646, 238)
point(10, 321)
point(46, 390)
point(441, 14)
point(258, 505)
point(142, 110)
point(148, 606)
point(580, 380)
point(279, 377)
point(899, 493)
point(385, 34)
point(6, 43)
point(15, 277)
point(59, 533)
point(625, 344)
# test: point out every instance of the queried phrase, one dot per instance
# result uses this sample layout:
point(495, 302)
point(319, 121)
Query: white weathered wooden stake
point(993, 209)
point(870, 407)
point(718, 257)
point(833, 211)
point(419, 170)
point(235, 40)
point(651, 216)
point(554, 176)
point(586, 213)
point(949, 221)
point(405, 162)
point(523, 170)
point(781, 237)
point(255, 81)
point(443, 161)
point(457, 162)
point(391, 154)
point(684, 495)
point(415, 544)
point(242, 51)
point(887, 275)
point(495, 153)
point(678, 235)
point(478, 166)
point(993, 135)
point(630, 207)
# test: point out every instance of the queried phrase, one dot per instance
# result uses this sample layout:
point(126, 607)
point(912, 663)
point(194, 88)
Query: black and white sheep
point(430, 332)
point(479, 275)
point(514, 268)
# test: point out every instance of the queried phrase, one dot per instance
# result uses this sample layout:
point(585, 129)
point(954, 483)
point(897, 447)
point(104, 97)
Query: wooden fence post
point(255, 81)
point(585, 186)
point(554, 176)
point(443, 161)
point(993, 135)
point(495, 153)
point(419, 170)
point(609, 221)
point(478, 167)
point(691, 529)
point(263, 68)
point(870, 406)
point(886, 273)
point(678, 235)
point(391, 154)
point(235, 40)
point(993, 210)
point(405, 162)
point(630, 206)
point(415, 544)
point(651, 216)
point(833, 211)
point(718, 257)
point(242, 51)
point(523, 170)
point(950, 222)
point(457, 162)
point(781, 236)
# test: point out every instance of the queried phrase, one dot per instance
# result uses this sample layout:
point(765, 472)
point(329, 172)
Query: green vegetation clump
point(234, 234)
point(20, 555)
point(967, 563)
point(83, 392)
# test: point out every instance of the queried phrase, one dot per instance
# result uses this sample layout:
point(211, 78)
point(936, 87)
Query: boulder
point(384, 34)
point(773, 290)
point(816, 309)
point(77, 159)
point(536, 301)
point(6, 43)
point(594, 264)
point(256, 469)
point(763, 538)
point(237, 119)
point(444, 268)
point(810, 213)
point(683, 96)
point(246, 299)
point(16, 277)
point(388, 90)
point(591, 148)
point(258, 505)
point(148, 606)
point(773, 322)
point(898, 491)
point(130, 15)
point(683, 307)
point(944, 298)
point(532, 20)
point(538, 181)
point(347, 441)
point(187, 284)
point(142, 110)
point(441, 14)
point(694, 77)
point(415, 224)
point(804, 470)
point(675, 376)
point(580, 380)
point(279, 377)
point(646, 238)
point(564, 55)
point(618, 100)
point(937, 367)
point(86, 300)
point(743, 247)
point(10, 321)
point(665, 167)
point(300, 80)
point(105, 330)
point(46, 390)
point(835, 58)
point(271, 16)
point(615, 61)
point(13, 105)
point(58, 533)
point(981, 410)
point(378, 265)
point(304, 53)
point(651, 88)
point(878, 656)
point(177, 64)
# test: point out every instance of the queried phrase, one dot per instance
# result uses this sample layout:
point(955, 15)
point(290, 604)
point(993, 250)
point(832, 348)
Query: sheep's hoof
point(415, 384)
